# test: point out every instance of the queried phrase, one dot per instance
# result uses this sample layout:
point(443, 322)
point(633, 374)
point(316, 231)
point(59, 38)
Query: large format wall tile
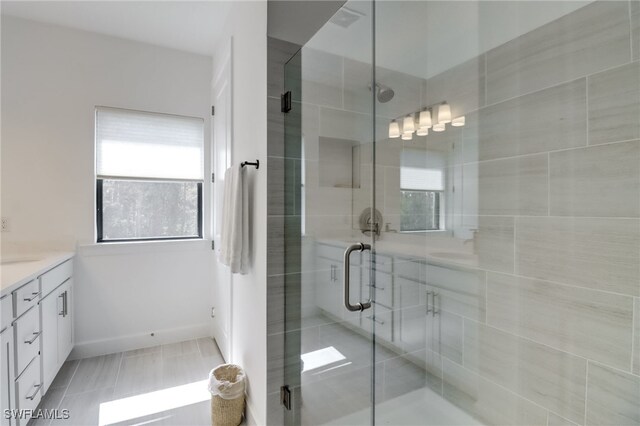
point(546, 376)
point(511, 186)
point(487, 401)
point(595, 253)
point(494, 243)
point(589, 40)
point(614, 104)
point(612, 397)
point(462, 87)
point(584, 322)
point(596, 181)
point(551, 119)
point(278, 52)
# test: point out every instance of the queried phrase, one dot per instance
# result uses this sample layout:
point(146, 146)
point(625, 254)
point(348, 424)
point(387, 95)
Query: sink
point(13, 260)
point(453, 255)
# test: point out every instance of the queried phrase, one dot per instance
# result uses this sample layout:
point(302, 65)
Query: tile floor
point(162, 385)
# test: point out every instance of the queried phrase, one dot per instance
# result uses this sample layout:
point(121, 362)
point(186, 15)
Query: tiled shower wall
point(281, 217)
point(547, 169)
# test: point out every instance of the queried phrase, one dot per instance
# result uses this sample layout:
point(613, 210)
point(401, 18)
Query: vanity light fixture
point(434, 117)
point(394, 129)
point(444, 113)
point(408, 125)
point(458, 121)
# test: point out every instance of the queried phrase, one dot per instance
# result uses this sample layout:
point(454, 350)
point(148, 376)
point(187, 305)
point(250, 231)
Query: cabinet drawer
point(383, 290)
point(382, 263)
point(27, 332)
point(29, 387)
point(6, 310)
point(53, 278)
point(383, 320)
point(26, 296)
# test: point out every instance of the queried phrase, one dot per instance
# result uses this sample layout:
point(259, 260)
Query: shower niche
point(339, 165)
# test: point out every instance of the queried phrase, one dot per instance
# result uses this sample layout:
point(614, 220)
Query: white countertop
point(22, 268)
point(444, 254)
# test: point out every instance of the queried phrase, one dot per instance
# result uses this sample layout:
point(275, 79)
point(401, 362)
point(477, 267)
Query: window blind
point(421, 170)
point(136, 144)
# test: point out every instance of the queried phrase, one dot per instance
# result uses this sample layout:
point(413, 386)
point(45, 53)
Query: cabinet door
point(50, 307)
point(6, 375)
point(65, 321)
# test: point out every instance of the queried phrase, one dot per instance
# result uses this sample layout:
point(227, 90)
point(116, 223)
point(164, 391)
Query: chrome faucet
point(472, 240)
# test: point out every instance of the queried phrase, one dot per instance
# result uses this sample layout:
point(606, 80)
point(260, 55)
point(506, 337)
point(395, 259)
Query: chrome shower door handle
point(347, 254)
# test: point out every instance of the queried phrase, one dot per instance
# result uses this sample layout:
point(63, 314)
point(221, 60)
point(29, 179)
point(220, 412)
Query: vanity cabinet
point(6, 371)
point(37, 337)
point(57, 324)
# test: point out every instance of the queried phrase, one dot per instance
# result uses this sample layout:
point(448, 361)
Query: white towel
point(234, 250)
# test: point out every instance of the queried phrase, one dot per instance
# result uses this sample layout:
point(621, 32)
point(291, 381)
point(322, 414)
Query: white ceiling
point(192, 26)
point(425, 38)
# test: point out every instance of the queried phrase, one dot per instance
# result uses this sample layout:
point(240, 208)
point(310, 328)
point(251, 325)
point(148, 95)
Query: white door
point(7, 389)
point(222, 139)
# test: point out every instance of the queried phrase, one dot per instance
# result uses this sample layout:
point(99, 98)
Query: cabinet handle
point(33, 297)
point(61, 296)
point(35, 392)
point(431, 309)
point(64, 304)
point(333, 273)
point(35, 336)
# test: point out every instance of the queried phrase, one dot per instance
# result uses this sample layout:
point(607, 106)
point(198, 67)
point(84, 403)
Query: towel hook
point(249, 163)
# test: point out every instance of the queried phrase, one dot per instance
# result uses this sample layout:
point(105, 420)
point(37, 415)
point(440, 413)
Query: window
point(422, 192)
point(149, 176)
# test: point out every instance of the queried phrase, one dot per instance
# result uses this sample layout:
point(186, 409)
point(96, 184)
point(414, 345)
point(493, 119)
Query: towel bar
point(249, 163)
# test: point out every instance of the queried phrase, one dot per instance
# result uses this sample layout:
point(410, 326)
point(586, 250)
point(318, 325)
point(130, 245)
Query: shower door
point(488, 153)
point(330, 230)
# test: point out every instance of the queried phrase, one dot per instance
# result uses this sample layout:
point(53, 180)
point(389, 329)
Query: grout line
point(633, 330)
point(586, 113)
point(115, 385)
point(586, 392)
point(549, 183)
point(552, 151)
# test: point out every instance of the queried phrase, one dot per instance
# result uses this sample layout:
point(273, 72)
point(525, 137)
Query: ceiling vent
point(345, 17)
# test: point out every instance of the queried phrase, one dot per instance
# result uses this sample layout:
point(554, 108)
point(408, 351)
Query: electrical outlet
point(5, 224)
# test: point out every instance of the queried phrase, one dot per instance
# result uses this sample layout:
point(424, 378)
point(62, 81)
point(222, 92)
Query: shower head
point(383, 93)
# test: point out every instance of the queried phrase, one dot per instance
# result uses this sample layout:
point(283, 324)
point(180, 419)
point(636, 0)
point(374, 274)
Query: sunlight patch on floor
point(146, 404)
point(320, 358)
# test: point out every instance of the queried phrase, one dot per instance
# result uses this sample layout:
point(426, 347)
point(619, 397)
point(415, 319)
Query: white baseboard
point(137, 341)
point(249, 420)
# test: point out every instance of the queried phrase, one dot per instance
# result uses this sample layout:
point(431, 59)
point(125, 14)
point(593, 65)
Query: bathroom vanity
point(419, 301)
point(36, 329)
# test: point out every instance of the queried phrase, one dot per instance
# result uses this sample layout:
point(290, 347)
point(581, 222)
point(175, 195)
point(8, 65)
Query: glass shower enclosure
point(465, 243)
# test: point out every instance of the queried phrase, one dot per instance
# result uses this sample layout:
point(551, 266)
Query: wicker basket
point(227, 395)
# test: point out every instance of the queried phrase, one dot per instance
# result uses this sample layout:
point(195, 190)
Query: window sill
point(143, 247)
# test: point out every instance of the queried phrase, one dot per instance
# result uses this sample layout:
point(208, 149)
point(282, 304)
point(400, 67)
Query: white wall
point(247, 26)
point(52, 78)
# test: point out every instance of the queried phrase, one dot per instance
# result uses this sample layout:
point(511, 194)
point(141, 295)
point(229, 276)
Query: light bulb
point(425, 119)
point(423, 131)
point(458, 121)
point(438, 127)
point(408, 124)
point(444, 113)
point(407, 136)
point(394, 129)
